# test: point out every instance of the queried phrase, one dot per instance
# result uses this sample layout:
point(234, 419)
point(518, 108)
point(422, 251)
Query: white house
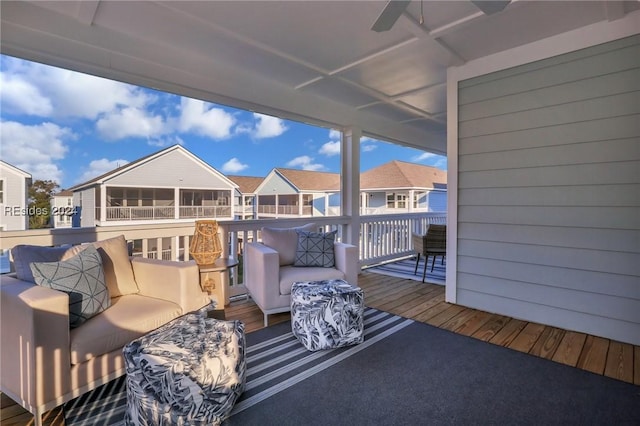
point(172, 185)
point(399, 186)
point(290, 192)
point(245, 196)
point(62, 206)
point(14, 187)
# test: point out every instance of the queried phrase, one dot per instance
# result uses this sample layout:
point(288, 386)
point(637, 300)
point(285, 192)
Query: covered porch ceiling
point(313, 61)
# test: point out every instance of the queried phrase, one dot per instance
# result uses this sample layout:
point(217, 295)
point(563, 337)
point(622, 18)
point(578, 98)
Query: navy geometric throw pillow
point(82, 278)
point(315, 249)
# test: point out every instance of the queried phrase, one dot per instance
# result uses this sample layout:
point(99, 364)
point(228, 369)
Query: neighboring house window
point(115, 197)
point(1, 191)
point(396, 200)
point(417, 196)
point(146, 196)
point(206, 198)
point(132, 197)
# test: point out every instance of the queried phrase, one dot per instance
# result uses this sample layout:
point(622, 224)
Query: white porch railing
point(204, 212)
point(164, 212)
point(140, 213)
point(382, 237)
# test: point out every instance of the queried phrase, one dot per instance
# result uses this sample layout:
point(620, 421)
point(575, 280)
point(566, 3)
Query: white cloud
point(368, 148)
point(35, 149)
point(64, 93)
point(165, 141)
point(130, 122)
point(330, 148)
point(233, 166)
point(20, 96)
point(431, 159)
point(268, 127)
point(424, 156)
point(196, 116)
point(305, 163)
point(100, 167)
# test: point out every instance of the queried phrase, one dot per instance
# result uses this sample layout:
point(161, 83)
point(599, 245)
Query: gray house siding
point(170, 170)
point(86, 200)
point(276, 185)
point(14, 195)
point(549, 191)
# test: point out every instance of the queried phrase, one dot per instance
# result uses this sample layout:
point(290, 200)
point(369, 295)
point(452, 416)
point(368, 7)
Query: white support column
point(350, 183)
point(176, 203)
point(103, 204)
point(451, 286)
point(233, 205)
point(410, 199)
point(300, 207)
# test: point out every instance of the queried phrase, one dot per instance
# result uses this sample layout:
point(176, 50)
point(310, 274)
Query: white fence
point(382, 237)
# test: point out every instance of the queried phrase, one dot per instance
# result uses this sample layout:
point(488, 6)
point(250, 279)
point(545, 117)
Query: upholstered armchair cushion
point(284, 241)
point(115, 261)
point(24, 254)
point(82, 278)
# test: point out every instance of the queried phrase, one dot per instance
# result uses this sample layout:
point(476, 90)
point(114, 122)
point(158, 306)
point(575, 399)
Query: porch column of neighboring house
point(410, 200)
point(277, 206)
point(350, 183)
point(300, 212)
point(256, 206)
point(176, 203)
point(103, 204)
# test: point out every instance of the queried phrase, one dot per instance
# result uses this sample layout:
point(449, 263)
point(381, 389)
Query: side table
point(214, 279)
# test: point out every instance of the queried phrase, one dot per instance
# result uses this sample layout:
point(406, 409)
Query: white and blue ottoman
point(190, 371)
point(327, 314)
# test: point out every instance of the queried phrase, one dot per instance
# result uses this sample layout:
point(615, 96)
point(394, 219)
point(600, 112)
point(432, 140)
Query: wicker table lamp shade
point(205, 246)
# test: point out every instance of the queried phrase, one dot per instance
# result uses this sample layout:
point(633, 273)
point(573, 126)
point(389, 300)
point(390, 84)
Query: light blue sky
point(70, 127)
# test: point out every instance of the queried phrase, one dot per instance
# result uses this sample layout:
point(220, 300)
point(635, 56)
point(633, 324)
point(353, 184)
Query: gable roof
point(400, 174)
point(15, 169)
point(307, 180)
point(246, 184)
point(119, 170)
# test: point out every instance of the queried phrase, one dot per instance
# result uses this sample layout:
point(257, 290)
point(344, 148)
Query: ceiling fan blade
point(489, 7)
point(390, 15)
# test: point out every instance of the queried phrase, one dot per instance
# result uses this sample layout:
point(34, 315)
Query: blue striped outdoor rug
point(404, 269)
point(275, 362)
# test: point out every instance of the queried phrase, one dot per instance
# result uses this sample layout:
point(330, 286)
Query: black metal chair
point(433, 243)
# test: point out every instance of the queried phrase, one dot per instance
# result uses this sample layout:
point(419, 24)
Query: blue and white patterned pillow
point(82, 278)
point(315, 249)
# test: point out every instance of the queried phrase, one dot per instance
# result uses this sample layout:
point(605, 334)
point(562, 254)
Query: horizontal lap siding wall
point(549, 191)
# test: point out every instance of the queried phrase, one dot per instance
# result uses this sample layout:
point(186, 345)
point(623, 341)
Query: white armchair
point(269, 272)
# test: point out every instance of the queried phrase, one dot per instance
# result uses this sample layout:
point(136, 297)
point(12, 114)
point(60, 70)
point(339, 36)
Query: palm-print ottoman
point(190, 371)
point(327, 314)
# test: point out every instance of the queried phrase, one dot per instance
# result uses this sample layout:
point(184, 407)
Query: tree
point(40, 193)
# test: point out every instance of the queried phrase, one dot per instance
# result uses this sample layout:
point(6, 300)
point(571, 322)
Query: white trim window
point(396, 200)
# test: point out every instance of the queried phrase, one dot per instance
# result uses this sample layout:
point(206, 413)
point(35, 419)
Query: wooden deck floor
point(425, 303)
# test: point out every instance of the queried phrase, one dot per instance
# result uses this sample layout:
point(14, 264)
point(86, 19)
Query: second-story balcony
point(116, 214)
point(283, 209)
